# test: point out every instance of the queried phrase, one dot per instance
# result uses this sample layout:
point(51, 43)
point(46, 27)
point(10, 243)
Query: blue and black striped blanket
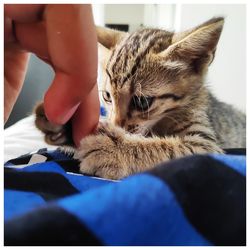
point(197, 200)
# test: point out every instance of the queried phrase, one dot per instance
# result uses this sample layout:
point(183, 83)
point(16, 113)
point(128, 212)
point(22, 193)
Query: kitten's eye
point(142, 103)
point(106, 96)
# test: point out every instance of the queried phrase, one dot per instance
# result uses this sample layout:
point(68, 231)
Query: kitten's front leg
point(103, 154)
point(114, 154)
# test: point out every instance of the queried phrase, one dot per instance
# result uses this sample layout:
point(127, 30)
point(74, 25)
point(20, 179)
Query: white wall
point(227, 75)
point(165, 16)
point(98, 13)
point(131, 14)
point(151, 15)
point(159, 15)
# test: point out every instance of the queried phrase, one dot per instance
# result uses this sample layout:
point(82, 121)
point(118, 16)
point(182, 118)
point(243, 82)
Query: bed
point(198, 200)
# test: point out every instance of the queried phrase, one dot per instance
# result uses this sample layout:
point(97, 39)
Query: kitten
point(158, 107)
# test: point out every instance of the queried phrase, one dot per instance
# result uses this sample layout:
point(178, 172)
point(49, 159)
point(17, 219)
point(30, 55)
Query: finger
point(72, 40)
point(17, 60)
point(33, 37)
point(62, 98)
point(24, 12)
point(8, 30)
point(72, 45)
point(85, 120)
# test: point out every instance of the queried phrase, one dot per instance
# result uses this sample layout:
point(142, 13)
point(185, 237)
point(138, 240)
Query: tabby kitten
point(158, 107)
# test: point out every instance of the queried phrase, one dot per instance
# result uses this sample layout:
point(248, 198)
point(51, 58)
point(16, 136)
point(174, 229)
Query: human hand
point(63, 36)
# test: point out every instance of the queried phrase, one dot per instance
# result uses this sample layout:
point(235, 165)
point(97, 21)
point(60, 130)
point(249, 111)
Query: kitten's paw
point(54, 134)
point(101, 154)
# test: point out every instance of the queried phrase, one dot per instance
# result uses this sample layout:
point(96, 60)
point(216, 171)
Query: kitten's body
point(228, 123)
point(153, 87)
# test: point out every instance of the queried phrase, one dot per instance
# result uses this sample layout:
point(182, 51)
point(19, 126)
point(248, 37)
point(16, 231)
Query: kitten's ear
point(198, 43)
point(109, 37)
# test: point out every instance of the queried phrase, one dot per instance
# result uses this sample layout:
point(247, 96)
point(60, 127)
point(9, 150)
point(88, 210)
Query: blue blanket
point(198, 200)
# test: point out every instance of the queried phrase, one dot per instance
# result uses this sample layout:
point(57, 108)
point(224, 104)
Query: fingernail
point(65, 117)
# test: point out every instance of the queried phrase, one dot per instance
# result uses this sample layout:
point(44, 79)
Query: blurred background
point(227, 74)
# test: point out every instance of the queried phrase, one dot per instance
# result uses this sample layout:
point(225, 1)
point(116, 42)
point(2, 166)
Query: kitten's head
point(152, 73)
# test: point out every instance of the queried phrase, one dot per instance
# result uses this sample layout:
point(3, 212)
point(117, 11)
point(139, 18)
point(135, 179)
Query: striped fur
point(158, 105)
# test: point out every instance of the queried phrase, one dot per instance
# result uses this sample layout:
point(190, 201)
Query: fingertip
point(56, 114)
point(61, 99)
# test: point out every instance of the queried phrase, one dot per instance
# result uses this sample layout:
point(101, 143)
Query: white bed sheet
point(23, 137)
